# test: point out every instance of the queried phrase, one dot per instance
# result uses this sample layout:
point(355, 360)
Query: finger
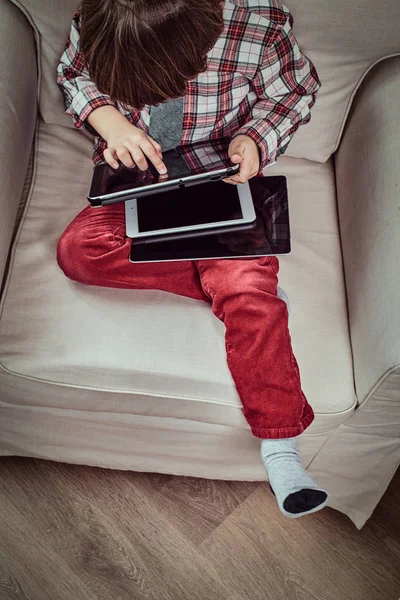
point(241, 178)
point(125, 157)
point(238, 178)
point(138, 157)
point(235, 179)
point(246, 170)
point(236, 150)
point(149, 150)
point(156, 146)
point(236, 158)
point(110, 157)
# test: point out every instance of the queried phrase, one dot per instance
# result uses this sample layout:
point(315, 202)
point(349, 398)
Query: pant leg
point(94, 250)
point(259, 352)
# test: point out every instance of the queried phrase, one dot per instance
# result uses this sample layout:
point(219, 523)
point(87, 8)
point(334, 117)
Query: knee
point(247, 277)
point(82, 251)
point(71, 256)
point(249, 286)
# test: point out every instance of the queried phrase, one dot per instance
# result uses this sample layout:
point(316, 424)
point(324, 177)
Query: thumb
point(235, 152)
point(236, 158)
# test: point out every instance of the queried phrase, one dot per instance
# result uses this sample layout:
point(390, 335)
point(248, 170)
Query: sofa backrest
point(344, 39)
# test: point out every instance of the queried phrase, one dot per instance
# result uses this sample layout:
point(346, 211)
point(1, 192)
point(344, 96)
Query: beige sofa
point(138, 380)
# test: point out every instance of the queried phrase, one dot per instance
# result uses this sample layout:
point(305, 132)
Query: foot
point(296, 493)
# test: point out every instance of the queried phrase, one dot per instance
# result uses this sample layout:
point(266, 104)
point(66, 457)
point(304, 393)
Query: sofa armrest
point(368, 187)
point(18, 114)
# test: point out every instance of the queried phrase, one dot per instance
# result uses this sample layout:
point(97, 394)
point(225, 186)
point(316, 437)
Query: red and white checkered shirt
point(257, 83)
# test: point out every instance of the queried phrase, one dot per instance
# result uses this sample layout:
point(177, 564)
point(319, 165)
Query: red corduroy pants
point(94, 250)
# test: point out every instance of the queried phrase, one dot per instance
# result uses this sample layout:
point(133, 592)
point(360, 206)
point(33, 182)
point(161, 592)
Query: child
point(145, 76)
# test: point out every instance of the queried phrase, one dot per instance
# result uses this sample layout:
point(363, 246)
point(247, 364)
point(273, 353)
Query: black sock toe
point(304, 500)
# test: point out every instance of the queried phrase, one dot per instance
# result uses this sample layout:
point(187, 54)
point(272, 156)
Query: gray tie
point(166, 122)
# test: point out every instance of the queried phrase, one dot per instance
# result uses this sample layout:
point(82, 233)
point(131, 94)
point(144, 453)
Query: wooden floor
point(80, 533)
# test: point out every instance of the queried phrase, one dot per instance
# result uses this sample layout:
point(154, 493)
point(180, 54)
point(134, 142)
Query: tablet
point(195, 209)
point(268, 235)
point(115, 185)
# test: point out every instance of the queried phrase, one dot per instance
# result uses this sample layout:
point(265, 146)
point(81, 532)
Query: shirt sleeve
point(286, 85)
point(81, 96)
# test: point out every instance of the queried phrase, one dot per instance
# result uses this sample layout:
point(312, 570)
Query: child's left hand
point(242, 150)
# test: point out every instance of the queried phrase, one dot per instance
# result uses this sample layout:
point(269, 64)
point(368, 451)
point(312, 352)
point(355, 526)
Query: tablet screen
point(270, 234)
point(177, 208)
point(109, 181)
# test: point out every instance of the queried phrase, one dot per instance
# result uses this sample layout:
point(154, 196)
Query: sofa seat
point(89, 355)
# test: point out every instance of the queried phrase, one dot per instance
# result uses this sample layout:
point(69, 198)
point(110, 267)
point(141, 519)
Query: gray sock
point(295, 491)
point(283, 296)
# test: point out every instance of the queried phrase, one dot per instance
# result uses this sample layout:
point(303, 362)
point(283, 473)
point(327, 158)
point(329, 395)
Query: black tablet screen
point(215, 202)
point(109, 181)
point(269, 235)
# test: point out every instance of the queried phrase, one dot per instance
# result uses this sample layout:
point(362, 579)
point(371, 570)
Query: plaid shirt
point(257, 83)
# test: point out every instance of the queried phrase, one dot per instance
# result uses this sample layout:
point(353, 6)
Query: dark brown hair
point(144, 51)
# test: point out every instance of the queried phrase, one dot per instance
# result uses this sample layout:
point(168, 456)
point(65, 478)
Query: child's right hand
point(125, 142)
point(132, 145)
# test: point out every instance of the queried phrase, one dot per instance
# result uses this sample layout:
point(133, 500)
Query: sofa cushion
point(344, 39)
point(149, 352)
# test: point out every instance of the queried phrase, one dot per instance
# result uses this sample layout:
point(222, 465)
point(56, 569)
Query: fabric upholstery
point(76, 392)
point(17, 116)
point(94, 250)
point(143, 352)
point(359, 458)
point(368, 180)
point(342, 39)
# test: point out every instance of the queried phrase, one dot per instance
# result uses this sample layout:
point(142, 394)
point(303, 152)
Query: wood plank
point(81, 532)
point(109, 534)
point(321, 556)
point(195, 506)
point(29, 566)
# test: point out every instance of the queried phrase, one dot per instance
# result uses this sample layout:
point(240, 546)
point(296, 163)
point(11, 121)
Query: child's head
point(144, 51)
